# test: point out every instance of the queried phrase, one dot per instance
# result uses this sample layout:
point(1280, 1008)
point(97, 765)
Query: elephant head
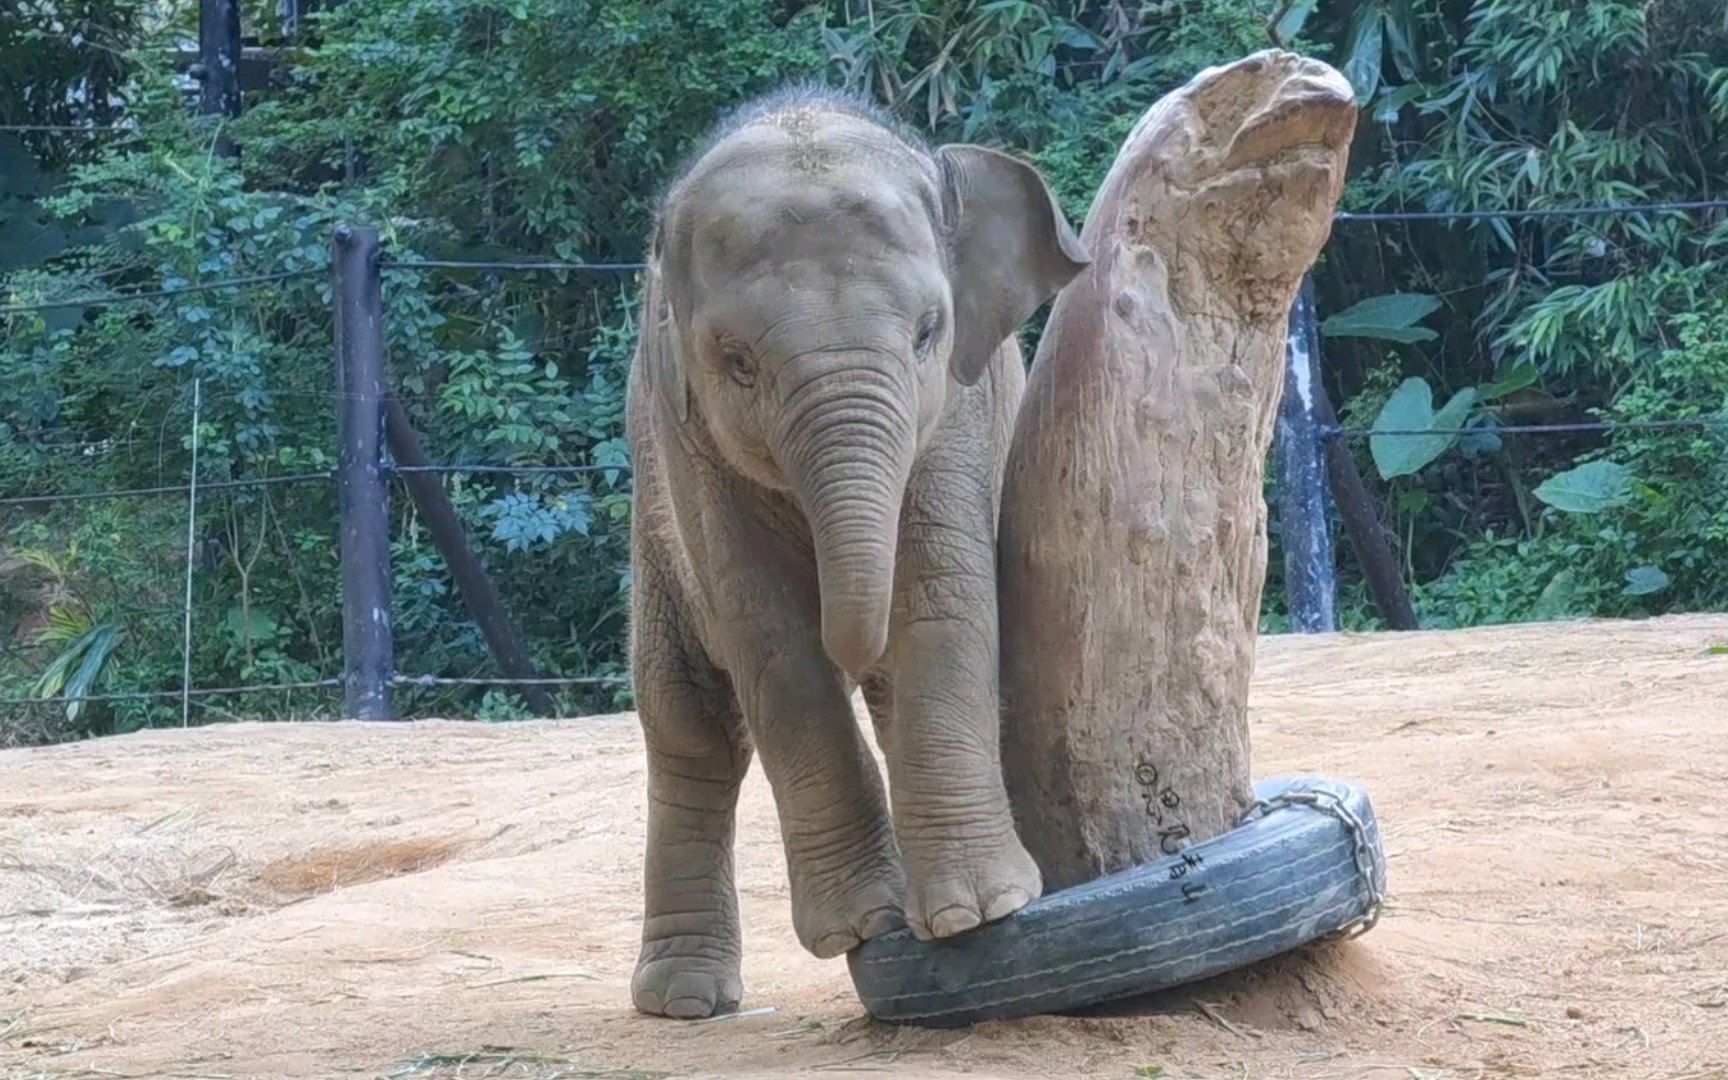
point(819, 281)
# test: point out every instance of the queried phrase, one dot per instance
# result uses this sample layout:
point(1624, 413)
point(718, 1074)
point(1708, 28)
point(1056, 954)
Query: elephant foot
point(833, 917)
point(686, 980)
point(846, 932)
point(976, 884)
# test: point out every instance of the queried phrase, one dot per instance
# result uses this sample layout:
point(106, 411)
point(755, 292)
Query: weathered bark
point(1133, 529)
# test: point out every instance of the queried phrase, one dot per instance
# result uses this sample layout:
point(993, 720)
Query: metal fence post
point(219, 63)
point(1304, 503)
point(364, 544)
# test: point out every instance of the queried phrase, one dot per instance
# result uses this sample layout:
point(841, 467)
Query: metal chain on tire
point(1327, 802)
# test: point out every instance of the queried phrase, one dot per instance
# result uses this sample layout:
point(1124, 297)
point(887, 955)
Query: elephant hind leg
point(698, 753)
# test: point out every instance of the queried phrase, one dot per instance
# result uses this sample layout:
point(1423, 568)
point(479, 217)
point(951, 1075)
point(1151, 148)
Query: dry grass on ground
point(449, 899)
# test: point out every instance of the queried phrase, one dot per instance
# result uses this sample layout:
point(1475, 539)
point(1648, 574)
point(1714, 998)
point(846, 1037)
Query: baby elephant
point(819, 411)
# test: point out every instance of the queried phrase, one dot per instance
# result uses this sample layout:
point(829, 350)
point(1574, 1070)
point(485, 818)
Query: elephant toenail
point(881, 921)
point(689, 1008)
point(835, 944)
point(953, 920)
point(1006, 904)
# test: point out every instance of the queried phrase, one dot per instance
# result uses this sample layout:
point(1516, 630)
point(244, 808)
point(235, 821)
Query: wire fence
point(188, 692)
point(363, 403)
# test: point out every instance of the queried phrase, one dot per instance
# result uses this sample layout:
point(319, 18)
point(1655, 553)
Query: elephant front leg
point(840, 853)
point(965, 864)
point(689, 965)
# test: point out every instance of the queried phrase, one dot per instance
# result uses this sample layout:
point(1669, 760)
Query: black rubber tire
point(1290, 874)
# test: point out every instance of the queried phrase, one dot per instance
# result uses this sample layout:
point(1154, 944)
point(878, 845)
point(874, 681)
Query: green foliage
point(1390, 318)
point(1399, 445)
point(1552, 103)
point(464, 129)
point(498, 129)
point(1588, 489)
point(1641, 529)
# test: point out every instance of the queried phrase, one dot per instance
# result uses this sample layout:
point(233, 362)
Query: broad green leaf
point(53, 677)
point(74, 671)
point(1414, 501)
point(97, 649)
point(1386, 109)
point(1392, 317)
point(1522, 376)
point(251, 624)
point(1557, 598)
point(1411, 409)
point(1456, 410)
point(1404, 335)
point(1401, 36)
point(1644, 580)
point(1295, 17)
point(1588, 489)
point(1363, 50)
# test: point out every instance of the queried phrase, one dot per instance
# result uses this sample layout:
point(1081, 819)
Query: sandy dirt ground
point(449, 899)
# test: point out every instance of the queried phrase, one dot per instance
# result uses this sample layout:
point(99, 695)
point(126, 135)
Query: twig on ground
point(1211, 1013)
point(532, 978)
point(766, 1010)
point(812, 1026)
point(1495, 1018)
point(504, 1057)
point(170, 816)
point(850, 1064)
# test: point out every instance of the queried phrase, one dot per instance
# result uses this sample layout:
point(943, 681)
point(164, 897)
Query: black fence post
point(364, 544)
point(1361, 523)
point(219, 63)
point(1304, 503)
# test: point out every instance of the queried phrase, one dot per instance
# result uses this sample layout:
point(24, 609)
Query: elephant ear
point(1011, 249)
point(662, 363)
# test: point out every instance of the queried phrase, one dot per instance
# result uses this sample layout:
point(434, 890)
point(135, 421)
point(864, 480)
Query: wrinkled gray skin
point(818, 414)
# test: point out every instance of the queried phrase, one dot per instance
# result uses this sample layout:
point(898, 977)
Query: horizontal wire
point(527, 267)
point(542, 470)
point(171, 489)
point(1530, 214)
point(1530, 429)
point(321, 684)
point(204, 691)
point(92, 128)
point(438, 680)
point(513, 470)
point(157, 294)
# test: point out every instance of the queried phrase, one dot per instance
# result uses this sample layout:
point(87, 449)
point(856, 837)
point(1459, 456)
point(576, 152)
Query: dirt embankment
point(444, 899)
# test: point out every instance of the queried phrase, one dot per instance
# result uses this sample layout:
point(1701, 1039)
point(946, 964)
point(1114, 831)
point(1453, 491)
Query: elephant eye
point(738, 365)
point(928, 328)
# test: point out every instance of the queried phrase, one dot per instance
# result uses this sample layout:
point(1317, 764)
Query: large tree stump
point(1133, 530)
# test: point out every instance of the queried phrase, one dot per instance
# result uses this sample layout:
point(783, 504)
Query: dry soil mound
point(443, 899)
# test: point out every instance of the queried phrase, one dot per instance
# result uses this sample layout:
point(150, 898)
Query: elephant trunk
point(849, 460)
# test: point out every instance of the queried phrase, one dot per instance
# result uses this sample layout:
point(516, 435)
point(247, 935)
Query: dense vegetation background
point(502, 128)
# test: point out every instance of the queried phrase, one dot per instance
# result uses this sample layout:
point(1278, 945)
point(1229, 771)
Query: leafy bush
point(1509, 104)
point(498, 129)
